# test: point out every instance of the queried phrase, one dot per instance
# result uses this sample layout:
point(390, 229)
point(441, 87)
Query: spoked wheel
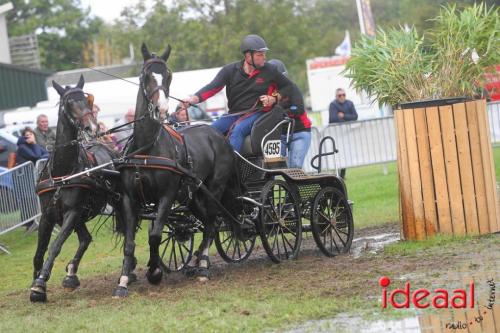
point(176, 249)
point(331, 222)
point(230, 247)
point(280, 221)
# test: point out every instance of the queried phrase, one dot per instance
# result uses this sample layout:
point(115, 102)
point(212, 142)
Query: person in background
point(300, 139)
point(44, 135)
point(125, 132)
point(95, 110)
point(342, 110)
point(108, 139)
point(180, 117)
point(28, 149)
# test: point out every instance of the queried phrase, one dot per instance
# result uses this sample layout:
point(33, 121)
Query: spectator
point(108, 139)
point(95, 110)
point(28, 149)
point(125, 132)
point(342, 110)
point(44, 135)
point(180, 117)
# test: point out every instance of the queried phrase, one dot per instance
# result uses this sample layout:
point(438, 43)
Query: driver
point(249, 84)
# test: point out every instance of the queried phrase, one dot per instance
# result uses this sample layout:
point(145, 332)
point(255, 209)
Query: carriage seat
point(261, 127)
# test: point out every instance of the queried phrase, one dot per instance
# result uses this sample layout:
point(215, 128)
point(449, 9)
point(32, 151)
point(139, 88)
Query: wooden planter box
point(446, 171)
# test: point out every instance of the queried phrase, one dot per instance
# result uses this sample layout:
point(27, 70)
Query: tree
point(63, 28)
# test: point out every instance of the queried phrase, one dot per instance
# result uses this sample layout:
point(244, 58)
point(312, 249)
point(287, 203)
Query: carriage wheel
point(280, 221)
point(331, 222)
point(176, 249)
point(230, 247)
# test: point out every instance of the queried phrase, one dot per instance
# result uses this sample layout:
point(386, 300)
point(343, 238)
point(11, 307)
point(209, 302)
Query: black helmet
point(253, 43)
point(279, 65)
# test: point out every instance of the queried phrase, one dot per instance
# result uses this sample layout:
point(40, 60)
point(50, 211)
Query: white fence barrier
point(19, 203)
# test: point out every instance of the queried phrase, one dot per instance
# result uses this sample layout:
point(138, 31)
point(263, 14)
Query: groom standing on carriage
point(249, 85)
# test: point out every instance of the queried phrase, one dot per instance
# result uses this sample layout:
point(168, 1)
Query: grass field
point(253, 297)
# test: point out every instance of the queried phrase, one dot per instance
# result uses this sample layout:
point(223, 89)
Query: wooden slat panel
point(452, 171)
point(402, 233)
point(465, 163)
point(414, 169)
point(488, 165)
point(436, 324)
point(426, 175)
point(459, 316)
point(496, 316)
point(488, 323)
point(438, 169)
point(477, 168)
point(404, 185)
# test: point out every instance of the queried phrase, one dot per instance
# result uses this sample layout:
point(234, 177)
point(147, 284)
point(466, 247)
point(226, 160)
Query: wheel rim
point(176, 252)
point(230, 247)
point(281, 222)
point(332, 222)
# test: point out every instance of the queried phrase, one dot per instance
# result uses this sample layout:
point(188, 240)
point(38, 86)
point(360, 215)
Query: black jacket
point(295, 107)
point(347, 108)
point(243, 90)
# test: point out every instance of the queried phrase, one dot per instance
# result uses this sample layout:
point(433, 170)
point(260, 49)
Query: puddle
point(373, 244)
point(444, 320)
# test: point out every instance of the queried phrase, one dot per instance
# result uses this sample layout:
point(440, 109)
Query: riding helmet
point(253, 43)
point(279, 65)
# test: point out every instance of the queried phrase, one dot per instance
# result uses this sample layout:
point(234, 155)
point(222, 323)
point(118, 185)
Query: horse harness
point(181, 165)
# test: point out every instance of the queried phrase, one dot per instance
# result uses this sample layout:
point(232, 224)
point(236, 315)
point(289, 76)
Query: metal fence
point(494, 119)
point(19, 203)
point(372, 141)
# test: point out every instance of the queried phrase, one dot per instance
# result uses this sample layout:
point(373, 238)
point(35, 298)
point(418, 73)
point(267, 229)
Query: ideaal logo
point(440, 299)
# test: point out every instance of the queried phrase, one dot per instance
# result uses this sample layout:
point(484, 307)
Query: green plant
point(449, 60)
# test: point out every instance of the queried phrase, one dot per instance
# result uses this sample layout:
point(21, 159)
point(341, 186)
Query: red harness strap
point(174, 133)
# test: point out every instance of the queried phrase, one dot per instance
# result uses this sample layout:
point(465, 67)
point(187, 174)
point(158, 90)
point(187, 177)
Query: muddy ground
point(351, 276)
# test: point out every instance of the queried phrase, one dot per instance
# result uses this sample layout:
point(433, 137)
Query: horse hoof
point(71, 282)
point(202, 274)
point(155, 276)
point(189, 271)
point(120, 292)
point(37, 297)
point(202, 279)
point(132, 277)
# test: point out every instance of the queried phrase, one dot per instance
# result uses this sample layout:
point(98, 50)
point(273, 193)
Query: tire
point(331, 222)
point(230, 247)
point(280, 223)
point(176, 249)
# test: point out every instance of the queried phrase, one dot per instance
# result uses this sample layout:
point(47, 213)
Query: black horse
point(75, 202)
point(158, 173)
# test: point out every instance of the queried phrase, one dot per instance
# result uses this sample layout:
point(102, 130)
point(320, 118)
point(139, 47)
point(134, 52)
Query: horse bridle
point(77, 121)
point(152, 108)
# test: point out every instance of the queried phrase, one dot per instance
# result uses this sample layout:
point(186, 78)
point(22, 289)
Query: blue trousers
point(298, 148)
point(240, 131)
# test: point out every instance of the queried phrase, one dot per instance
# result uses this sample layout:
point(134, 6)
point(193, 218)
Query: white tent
point(115, 97)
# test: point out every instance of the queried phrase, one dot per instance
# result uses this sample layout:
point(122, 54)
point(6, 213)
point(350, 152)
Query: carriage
point(275, 200)
point(183, 188)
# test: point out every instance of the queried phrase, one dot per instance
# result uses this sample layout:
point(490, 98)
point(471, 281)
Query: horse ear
point(60, 90)
point(81, 82)
point(145, 52)
point(166, 54)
